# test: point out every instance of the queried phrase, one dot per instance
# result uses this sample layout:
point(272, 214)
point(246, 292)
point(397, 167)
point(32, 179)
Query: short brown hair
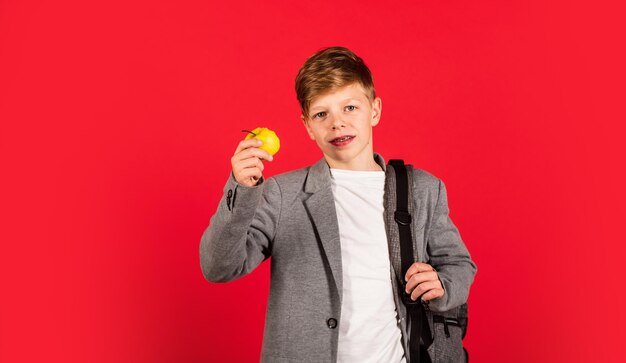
point(328, 69)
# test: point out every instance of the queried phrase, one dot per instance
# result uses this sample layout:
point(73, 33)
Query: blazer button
point(332, 323)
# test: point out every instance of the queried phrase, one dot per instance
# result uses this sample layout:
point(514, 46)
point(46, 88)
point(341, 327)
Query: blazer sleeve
point(449, 256)
point(240, 233)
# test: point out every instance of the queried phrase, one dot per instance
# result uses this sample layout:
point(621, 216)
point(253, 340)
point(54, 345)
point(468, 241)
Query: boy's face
point(341, 124)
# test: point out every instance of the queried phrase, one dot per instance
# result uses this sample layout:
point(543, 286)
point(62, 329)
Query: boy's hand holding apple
point(247, 162)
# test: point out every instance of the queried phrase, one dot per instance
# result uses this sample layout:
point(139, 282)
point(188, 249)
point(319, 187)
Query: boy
point(333, 291)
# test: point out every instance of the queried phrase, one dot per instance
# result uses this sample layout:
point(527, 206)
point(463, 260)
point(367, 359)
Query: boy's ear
point(306, 126)
point(377, 106)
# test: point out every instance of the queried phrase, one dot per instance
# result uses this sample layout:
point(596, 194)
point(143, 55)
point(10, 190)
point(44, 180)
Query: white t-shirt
point(368, 331)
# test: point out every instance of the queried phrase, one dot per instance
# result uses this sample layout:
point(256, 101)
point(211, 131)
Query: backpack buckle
point(402, 217)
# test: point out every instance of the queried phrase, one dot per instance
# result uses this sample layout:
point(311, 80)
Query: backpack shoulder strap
point(402, 215)
point(417, 317)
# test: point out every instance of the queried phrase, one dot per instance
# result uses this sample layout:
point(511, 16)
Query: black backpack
point(445, 344)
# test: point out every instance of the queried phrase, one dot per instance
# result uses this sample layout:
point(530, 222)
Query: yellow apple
point(271, 143)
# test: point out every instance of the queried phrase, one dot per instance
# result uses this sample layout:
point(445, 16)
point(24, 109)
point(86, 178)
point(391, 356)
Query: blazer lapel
point(321, 208)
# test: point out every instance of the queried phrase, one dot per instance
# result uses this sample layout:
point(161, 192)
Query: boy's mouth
point(342, 140)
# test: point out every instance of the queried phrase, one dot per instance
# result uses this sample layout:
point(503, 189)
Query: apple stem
point(249, 132)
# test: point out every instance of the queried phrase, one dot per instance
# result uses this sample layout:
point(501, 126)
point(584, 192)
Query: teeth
point(342, 139)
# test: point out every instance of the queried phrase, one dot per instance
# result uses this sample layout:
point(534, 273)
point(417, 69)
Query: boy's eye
point(351, 107)
point(319, 114)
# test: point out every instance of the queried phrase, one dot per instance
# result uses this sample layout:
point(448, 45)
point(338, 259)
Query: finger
point(248, 157)
point(244, 144)
point(422, 289)
point(433, 294)
point(251, 173)
point(253, 151)
point(418, 278)
point(415, 268)
point(249, 163)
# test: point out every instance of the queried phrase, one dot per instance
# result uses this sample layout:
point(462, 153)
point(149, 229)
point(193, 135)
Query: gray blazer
point(291, 217)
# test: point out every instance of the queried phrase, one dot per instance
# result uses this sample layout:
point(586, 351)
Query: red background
point(118, 120)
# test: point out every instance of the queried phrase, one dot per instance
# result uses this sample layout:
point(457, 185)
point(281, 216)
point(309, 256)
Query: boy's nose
point(337, 122)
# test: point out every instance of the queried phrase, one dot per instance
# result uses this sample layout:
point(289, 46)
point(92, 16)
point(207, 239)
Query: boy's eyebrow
point(347, 99)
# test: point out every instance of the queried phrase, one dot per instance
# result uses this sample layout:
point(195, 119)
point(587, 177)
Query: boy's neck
point(357, 165)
